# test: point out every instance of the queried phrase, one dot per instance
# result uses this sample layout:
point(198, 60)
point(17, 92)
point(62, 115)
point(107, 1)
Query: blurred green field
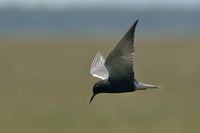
point(45, 87)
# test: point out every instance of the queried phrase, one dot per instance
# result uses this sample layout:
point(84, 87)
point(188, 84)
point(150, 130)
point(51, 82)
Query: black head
point(99, 87)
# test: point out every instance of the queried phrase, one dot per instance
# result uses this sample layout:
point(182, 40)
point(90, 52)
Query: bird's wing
point(120, 61)
point(98, 68)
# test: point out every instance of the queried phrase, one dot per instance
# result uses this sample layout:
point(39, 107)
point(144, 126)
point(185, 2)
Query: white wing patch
point(98, 68)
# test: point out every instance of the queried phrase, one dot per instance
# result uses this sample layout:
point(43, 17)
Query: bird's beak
point(92, 97)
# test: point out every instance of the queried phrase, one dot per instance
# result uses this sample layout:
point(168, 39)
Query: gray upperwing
point(119, 62)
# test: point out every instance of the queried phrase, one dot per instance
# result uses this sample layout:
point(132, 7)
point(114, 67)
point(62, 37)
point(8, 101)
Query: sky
point(127, 4)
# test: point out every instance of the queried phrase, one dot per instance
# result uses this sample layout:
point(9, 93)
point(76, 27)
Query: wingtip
point(100, 50)
point(136, 22)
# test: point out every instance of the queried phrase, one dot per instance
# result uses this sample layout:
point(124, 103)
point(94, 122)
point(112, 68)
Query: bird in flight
point(116, 71)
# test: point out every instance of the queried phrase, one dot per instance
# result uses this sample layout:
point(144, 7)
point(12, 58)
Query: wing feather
point(98, 68)
point(119, 62)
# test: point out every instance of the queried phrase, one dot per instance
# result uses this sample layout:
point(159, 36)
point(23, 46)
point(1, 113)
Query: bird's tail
point(142, 86)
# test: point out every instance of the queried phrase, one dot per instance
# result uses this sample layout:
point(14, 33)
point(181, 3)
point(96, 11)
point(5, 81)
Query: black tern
point(116, 71)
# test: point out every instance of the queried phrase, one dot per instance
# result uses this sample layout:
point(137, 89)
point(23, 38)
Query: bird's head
point(99, 87)
point(96, 90)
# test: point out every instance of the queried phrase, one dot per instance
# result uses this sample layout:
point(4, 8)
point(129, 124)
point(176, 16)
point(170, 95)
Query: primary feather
point(120, 61)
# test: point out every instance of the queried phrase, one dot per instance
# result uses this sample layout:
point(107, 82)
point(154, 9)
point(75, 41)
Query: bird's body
point(116, 71)
point(106, 86)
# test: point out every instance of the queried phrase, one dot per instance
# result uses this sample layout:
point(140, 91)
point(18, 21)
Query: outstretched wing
point(120, 61)
point(98, 68)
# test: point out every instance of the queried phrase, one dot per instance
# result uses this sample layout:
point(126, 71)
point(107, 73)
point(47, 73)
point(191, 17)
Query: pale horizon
point(110, 4)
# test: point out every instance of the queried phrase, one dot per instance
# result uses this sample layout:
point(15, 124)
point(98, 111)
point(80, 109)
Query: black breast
point(120, 87)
